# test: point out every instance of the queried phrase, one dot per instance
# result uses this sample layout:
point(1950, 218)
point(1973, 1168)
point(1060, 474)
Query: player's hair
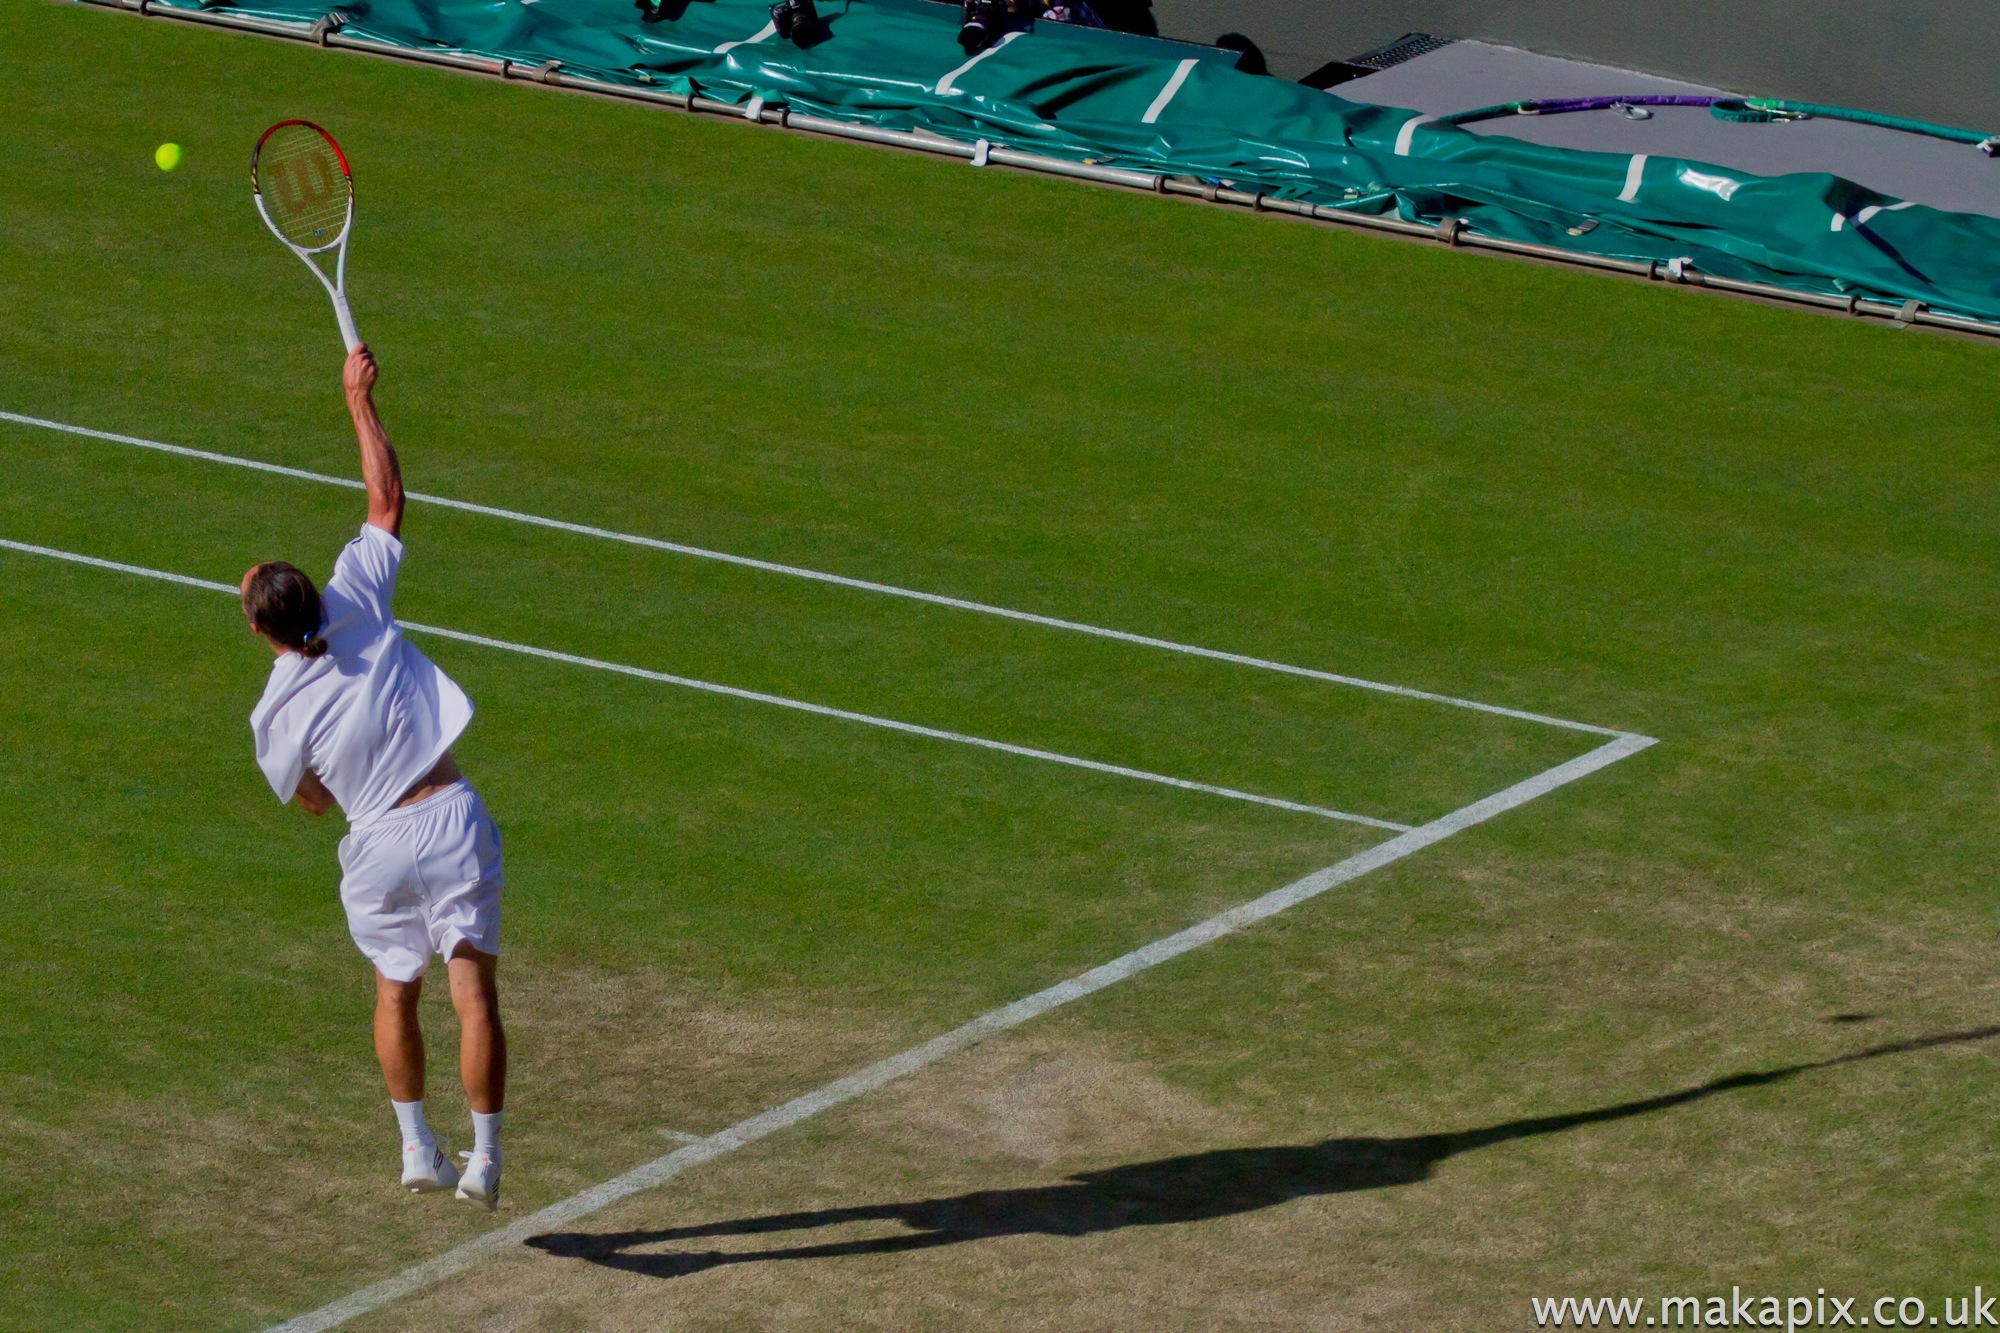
point(282, 602)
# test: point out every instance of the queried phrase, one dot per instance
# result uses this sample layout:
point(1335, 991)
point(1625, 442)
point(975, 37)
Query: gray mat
point(1932, 59)
point(1465, 75)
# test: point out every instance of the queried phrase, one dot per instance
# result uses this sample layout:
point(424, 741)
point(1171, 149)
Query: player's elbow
point(385, 506)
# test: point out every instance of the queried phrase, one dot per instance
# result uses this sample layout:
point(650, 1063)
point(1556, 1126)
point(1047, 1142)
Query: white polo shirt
point(371, 716)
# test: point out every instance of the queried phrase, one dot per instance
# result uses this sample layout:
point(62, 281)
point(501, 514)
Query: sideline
point(839, 580)
point(757, 696)
point(745, 1132)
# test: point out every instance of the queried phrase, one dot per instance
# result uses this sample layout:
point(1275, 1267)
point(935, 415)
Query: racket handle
point(341, 313)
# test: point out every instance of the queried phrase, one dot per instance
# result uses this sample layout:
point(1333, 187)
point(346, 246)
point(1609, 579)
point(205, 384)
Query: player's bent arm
point(379, 468)
point(312, 795)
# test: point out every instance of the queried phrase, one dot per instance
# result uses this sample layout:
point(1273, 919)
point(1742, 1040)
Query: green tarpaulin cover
point(1161, 106)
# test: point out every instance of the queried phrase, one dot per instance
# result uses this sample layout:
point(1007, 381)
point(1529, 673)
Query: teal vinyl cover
point(1161, 106)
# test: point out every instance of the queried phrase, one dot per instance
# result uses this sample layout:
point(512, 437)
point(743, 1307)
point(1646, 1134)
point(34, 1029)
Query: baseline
point(758, 696)
point(839, 580)
point(883, 1072)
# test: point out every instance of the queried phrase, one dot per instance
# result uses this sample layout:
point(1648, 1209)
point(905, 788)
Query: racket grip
point(346, 318)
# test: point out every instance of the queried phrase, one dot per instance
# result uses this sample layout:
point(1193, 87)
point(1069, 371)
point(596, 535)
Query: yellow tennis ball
point(167, 156)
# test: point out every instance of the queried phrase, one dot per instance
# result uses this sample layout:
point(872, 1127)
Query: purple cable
point(1558, 105)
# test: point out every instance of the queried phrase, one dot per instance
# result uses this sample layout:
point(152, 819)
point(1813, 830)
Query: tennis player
point(355, 715)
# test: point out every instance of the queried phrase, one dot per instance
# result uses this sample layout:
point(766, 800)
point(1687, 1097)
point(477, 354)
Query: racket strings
point(305, 191)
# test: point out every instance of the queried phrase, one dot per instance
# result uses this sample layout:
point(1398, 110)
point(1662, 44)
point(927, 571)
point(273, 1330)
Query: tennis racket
point(300, 182)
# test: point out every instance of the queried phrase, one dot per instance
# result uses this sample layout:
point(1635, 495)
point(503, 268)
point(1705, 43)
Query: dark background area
point(1936, 61)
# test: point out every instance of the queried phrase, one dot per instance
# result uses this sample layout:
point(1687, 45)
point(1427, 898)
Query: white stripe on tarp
point(745, 1132)
point(944, 85)
point(839, 580)
point(1408, 133)
point(1635, 172)
point(1861, 218)
point(775, 700)
point(769, 29)
point(1167, 93)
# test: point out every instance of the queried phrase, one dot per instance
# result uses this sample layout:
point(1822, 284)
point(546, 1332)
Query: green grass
point(1763, 537)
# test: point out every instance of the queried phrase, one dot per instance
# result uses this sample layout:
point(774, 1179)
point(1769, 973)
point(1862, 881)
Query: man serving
point(355, 715)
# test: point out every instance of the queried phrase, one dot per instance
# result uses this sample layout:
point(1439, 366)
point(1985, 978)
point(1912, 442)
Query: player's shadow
point(1173, 1189)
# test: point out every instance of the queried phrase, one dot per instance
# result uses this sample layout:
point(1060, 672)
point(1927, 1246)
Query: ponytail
point(283, 604)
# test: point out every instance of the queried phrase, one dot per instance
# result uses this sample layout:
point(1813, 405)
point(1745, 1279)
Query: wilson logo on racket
point(304, 192)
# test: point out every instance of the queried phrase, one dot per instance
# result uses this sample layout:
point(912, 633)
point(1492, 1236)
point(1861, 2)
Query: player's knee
point(400, 996)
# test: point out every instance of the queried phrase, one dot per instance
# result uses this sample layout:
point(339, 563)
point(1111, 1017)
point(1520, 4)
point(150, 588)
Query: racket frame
point(336, 286)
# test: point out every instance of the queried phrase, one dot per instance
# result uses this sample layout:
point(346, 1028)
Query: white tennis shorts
point(422, 878)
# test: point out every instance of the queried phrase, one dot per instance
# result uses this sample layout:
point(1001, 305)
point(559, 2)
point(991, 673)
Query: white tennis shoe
point(424, 1172)
point(481, 1181)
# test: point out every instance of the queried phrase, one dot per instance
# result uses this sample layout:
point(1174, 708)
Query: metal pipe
point(922, 143)
point(476, 64)
point(1616, 265)
point(1056, 166)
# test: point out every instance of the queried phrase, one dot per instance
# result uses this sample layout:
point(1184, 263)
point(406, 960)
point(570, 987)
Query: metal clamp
point(1448, 230)
point(1908, 314)
point(549, 73)
point(326, 25)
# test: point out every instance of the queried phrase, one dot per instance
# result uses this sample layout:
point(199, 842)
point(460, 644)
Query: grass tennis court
point(1762, 537)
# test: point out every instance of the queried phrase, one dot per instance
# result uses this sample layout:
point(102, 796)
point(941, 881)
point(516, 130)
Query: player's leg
point(482, 1041)
point(459, 862)
point(399, 1041)
point(386, 918)
point(399, 1045)
point(482, 1063)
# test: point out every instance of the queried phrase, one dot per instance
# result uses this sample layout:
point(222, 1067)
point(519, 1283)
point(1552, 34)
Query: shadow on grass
point(1174, 1189)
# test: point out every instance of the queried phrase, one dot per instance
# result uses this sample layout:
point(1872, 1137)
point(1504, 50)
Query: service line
point(839, 580)
point(758, 696)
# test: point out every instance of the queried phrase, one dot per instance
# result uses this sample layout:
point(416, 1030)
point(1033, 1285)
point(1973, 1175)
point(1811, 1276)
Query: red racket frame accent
point(338, 152)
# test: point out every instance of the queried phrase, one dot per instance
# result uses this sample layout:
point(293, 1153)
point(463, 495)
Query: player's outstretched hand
point(358, 375)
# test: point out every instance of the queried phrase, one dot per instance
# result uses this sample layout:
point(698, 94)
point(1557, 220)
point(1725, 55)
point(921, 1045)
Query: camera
point(981, 24)
point(797, 22)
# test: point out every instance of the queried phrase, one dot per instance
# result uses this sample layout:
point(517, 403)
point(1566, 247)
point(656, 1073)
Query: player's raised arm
point(379, 469)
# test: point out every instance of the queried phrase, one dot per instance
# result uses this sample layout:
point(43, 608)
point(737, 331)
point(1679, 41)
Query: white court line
point(1185, 68)
point(757, 696)
point(907, 728)
point(838, 580)
point(945, 84)
point(745, 1132)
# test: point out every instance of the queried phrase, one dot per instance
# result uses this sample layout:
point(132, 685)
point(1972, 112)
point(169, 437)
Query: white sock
point(486, 1135)
point(416, 1130)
